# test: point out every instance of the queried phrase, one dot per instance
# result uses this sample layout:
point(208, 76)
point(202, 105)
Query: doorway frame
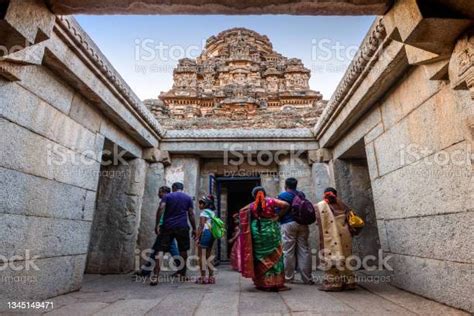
point(218, 181)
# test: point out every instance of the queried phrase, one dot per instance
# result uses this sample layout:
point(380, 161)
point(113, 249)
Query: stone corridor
point(234, 295)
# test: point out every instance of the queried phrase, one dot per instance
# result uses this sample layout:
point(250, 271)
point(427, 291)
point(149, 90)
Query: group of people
point(268, 243)
point(272, 243)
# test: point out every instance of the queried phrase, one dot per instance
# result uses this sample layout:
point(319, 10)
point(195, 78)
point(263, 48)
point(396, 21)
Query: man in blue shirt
point(295, 239)
point(178, 209)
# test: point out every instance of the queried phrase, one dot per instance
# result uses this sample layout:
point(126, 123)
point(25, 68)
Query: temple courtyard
point(83, 155)
point(235, 295)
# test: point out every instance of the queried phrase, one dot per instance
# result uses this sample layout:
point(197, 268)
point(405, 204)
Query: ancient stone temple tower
point(239, 76)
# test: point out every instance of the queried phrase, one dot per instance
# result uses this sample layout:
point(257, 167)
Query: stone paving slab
point(234, 295)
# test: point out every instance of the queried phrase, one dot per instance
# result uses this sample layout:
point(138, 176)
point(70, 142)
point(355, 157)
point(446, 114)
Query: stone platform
point(234, 295)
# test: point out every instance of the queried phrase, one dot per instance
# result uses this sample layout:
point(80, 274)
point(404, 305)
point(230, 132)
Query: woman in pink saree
point(235, 257)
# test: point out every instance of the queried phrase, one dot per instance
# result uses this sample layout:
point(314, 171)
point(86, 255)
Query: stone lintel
point(297, 7)
point(319, 155)
point(432, 28)
point(156, 155)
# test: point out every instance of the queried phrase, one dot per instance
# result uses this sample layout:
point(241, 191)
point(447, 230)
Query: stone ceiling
point(296, 7)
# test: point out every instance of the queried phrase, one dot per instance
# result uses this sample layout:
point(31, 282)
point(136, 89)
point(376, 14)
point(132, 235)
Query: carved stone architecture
point(82, 157)
point(239, 81)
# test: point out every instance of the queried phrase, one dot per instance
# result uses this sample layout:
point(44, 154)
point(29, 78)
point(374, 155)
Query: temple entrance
point(232, 193)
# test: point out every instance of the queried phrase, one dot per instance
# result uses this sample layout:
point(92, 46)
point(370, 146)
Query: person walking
point(178, 210)
point(205, 240)
point(147, 268)
point(295, 238)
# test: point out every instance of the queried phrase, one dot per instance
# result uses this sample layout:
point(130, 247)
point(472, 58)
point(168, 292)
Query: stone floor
point(234, 295)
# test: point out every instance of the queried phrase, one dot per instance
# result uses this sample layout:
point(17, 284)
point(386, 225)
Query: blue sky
point(324, 44)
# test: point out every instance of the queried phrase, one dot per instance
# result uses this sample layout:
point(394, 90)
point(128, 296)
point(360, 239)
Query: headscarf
point(260, 203)
point(330, 195)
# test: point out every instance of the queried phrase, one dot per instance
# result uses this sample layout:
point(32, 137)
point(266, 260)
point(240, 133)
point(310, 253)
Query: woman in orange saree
point(260, 241)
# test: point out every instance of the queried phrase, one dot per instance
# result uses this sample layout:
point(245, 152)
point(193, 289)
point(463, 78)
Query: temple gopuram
point(238, 81)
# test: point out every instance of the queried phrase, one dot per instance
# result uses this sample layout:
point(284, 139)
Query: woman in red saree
point(260, 241)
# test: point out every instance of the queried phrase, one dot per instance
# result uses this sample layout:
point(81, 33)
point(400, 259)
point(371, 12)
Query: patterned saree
point(261, 249)
point(336, 245)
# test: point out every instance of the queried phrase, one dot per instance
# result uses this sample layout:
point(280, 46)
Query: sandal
point(201, 280)
point(211, 280)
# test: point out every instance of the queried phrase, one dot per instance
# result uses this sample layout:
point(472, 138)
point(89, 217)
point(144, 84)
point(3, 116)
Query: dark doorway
point(233, 193)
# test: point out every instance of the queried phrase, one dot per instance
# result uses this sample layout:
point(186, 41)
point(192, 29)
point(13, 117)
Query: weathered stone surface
point(47, 86)
point(89, 206)
point(321, 178)
point(300, 169)
point(426, 188)
point(129, 307)
point(185, 170)
point(227, 290)
point(384, 241)
point(426, 130)
point(117, 218)
point(174, 302)
point(336, 7)
point(154, 180)
point(319, 155)
point(411, 302)
point(79, 309)
point(30, 153)
point(374, 133)
point(404, 98)
point(24, 194)
point(43, 237)
point(119, 137)
point(366, 125)
point(31, 18)
point(271, 184)
point(60, 57)
point(366, 302)
point(371, 161)
point(270, 303)
point(444, 281)
point(85, 113)
point(359, 97)
point(26, 109)
point(313, 301)
point(56, 276)
point(441, 237)
point(138, 169)
point(354, 188)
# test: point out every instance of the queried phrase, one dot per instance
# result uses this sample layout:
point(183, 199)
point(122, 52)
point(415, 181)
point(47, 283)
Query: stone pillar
point(299, 168)
point(116, 220)
point(271, 183)
point(155, 178)
point(322, 176)
point(186, 169)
